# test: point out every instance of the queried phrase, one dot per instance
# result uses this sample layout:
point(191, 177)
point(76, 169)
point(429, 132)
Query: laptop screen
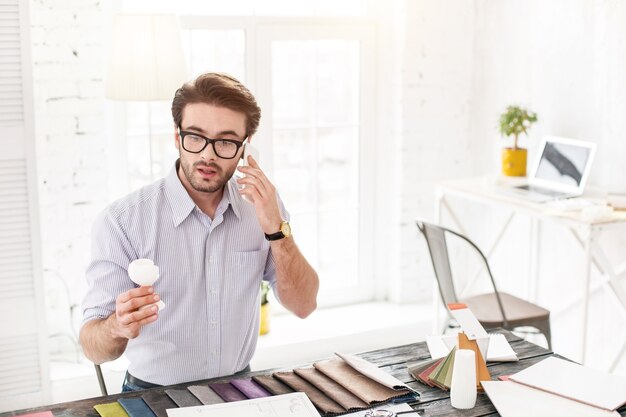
point(563, 163)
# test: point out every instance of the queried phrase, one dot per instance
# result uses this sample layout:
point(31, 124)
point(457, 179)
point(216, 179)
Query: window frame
point(329, 29)
point(259, 32)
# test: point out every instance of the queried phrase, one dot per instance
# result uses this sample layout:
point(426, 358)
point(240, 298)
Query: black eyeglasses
point(224, 148)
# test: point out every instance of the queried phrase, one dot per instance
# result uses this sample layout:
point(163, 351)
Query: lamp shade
point(147, 60)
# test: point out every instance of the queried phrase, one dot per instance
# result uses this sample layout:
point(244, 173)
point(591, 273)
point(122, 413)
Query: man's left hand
point(262, 193)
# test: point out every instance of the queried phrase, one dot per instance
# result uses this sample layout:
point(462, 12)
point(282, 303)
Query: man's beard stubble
point(200, 185)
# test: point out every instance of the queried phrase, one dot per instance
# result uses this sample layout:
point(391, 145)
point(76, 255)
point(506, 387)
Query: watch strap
point(275, 236)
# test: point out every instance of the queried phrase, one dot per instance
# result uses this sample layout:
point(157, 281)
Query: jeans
point(128, 387)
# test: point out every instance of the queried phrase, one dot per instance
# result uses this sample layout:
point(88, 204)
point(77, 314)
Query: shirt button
point(211, 260)
point(213, 322)
point(213, 291)
point(214, 352)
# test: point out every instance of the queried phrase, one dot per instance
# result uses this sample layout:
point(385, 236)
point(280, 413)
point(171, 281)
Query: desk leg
point(587, 283)
point(437, 325)
point(535, 258)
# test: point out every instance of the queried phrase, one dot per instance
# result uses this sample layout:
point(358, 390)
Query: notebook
point(561, 170)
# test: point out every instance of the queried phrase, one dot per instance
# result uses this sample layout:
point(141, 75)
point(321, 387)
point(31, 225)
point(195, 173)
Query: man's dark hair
point(221, 90)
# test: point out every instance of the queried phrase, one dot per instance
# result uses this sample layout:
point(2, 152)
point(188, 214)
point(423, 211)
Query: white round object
point(143, 272)
point(463, 386)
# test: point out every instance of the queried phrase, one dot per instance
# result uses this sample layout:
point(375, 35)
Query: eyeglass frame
point(182, 133)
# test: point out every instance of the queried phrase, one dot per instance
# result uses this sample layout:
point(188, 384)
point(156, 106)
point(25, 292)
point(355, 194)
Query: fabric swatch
point(228, 392)
point(110, 410)
point(440, 374)
point(272, 384)
point(317, 397)
point(360, 385)
point(333, 390)
point(418, 366)
point(158, 402)
point(136, 407)
point(249, 388)
point(182, 397)
point(423, 376)
point(205, 394)
point(39, 414)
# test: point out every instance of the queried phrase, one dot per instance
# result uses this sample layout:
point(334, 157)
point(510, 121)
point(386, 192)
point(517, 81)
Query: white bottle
point(463, 386)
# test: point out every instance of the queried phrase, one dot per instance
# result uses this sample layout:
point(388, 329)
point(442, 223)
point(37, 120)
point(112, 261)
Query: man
point(212, 248)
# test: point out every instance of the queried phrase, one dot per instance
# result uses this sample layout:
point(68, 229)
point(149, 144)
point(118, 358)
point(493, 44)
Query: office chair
point(494, 309)
point(103, 387)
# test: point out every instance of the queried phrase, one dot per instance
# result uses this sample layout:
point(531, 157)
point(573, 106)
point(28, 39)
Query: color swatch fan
point(144, 272)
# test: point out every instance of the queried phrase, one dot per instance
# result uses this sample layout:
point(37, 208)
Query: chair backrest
point(437, 246)
point(436, 240)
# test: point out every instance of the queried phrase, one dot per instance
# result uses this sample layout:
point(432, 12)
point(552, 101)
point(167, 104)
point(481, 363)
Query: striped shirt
point(210, 274)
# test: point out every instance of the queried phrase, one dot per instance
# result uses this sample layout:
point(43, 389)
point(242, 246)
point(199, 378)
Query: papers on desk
point(296, 404)
point(516, 400)
point(577, 382)
point(557, 387)
point(499, 349)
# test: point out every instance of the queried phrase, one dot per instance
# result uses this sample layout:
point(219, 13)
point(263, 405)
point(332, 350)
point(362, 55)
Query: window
point(311, 80)
point(315, 78)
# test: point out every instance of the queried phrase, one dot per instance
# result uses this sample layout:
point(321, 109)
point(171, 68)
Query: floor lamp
point(146, 62)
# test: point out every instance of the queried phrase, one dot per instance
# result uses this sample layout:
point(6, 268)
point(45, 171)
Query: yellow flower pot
point(514, 162)
point(265, 319)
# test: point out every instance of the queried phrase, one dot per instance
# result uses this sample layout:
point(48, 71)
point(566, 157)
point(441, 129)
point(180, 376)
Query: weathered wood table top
point(434, 401)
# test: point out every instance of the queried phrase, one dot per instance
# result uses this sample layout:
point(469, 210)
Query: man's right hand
point(130, 317)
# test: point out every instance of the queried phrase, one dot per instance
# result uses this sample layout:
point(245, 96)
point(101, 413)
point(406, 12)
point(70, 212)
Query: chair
point(495, 309)
point(103, 387)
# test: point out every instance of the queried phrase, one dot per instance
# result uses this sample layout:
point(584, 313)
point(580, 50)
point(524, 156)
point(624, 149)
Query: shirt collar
point(232, 196)
point(182, 204)
point(180, 201)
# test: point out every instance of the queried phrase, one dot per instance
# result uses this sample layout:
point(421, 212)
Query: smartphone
point(249, 150)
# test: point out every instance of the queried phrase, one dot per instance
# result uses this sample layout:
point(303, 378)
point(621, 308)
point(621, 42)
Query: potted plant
point(265, 309)
point(515, 121)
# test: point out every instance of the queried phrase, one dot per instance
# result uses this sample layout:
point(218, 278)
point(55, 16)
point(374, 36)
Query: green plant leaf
point(265, 289)
point(516, 120)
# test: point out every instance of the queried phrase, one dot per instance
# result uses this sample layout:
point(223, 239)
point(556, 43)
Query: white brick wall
point(68, 48)
point(436, 115)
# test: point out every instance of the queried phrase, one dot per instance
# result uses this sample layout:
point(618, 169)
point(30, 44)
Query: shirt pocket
point(244, 273)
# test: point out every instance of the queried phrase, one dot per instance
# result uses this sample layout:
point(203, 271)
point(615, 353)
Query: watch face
point(285, 228)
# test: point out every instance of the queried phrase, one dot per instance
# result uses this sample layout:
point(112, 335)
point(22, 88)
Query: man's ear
point(176, 138)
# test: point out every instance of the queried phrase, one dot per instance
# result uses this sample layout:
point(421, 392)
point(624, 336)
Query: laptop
point(560, 171)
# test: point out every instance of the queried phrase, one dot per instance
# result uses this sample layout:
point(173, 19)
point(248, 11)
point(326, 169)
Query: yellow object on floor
point(265, 319)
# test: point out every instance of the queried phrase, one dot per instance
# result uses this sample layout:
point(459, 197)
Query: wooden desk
point(488, 191)
point(434, 401)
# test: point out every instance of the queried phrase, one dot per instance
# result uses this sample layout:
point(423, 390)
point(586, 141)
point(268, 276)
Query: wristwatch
point(284, 231)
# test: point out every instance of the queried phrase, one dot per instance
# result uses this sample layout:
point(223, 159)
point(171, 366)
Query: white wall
point(565, 60)
point(68, 40)
point(437, 120)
